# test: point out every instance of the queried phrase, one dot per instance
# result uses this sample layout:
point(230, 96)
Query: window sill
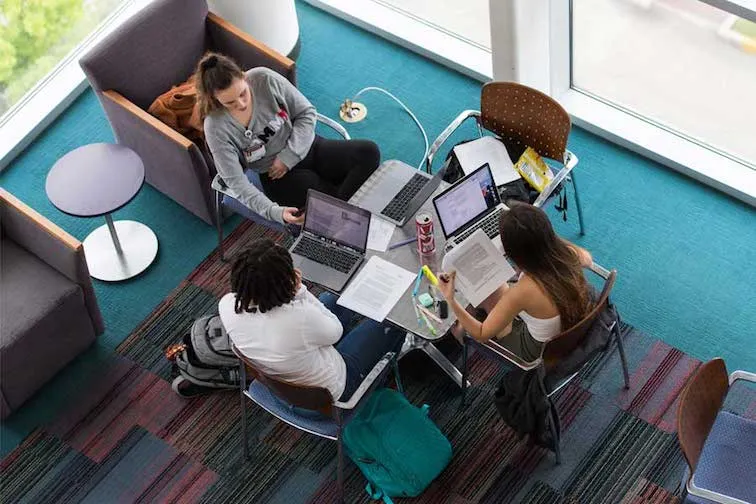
point(52, 95)
point(413, 34)
point(707, 166)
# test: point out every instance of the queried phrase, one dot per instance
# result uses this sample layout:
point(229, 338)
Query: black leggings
point(334, 167)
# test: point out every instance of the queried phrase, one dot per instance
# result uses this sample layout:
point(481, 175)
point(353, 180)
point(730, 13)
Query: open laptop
point(395, 191)
point(471, 203)
point(333, 241)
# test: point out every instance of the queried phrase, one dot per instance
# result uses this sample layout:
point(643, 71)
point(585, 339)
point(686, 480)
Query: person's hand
point(293, 215)
point(278, 170)
point(446, 284)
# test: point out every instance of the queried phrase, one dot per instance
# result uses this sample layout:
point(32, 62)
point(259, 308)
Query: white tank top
point(542, 330)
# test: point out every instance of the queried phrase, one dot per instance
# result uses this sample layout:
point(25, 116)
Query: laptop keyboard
point(489, 225)
point(397, 206)
point(340, 260)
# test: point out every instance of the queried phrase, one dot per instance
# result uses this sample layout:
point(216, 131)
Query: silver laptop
point(471, 203)
point(333, 241)
point(395, 191)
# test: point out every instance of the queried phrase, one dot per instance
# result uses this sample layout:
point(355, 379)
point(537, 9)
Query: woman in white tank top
point(551, 293)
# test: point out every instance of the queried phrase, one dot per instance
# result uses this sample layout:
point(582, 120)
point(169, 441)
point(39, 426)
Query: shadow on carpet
point(129, 438)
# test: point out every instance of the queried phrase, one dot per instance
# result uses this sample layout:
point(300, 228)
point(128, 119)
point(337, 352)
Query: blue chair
point(560, 353)
point(719, 446)
point(225, 197)
point(309, 409)
point(522, 117)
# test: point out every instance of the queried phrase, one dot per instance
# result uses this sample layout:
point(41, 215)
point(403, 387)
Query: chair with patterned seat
point(719, 446)
point(522, 117)
point(310, 409)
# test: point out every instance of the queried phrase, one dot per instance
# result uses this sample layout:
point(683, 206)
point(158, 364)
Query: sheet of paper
point(376, 288)
point(473, 155)
point(380, 233)
point(481, 268)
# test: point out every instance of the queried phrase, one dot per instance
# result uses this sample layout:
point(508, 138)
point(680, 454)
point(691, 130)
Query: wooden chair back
point(312, 398)
point(700, 402)
point(567, 341)
point(524, 117)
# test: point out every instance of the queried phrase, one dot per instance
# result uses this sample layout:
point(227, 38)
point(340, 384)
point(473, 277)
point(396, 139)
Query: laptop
point(395, 191)
point(333, 240)
point(471, 203)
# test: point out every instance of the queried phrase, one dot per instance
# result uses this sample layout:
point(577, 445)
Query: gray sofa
point(156, 49)
point(48, 307)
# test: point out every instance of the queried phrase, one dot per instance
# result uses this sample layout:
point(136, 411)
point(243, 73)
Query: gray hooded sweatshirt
point(282, 126)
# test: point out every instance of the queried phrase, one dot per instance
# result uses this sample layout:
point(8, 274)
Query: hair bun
point(210, 61)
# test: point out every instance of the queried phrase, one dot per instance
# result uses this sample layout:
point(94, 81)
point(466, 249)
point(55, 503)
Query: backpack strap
point(376, 493)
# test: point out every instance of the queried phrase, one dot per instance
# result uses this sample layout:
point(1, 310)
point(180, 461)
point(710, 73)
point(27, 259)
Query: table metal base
point(413, 342)
point(119, 250)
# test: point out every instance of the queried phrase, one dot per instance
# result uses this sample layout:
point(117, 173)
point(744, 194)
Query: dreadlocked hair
point(263, 277)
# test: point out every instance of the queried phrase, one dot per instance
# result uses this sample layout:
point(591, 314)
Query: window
point(681, 64)
point(36, 35)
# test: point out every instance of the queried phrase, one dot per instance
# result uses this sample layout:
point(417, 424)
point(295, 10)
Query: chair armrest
point(742, 375)
point(503, 352)
point(710, 494)
point(334, 125)
point(440, 139)
point(151, 121)
point(245, 50)
point(369, 383)
point(220, 186)
point(570, 162)
point(599, 270)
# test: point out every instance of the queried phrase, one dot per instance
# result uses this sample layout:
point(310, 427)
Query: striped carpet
point(127, 438)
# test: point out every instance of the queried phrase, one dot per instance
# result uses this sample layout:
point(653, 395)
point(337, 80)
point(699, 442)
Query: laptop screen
point(337, 220)
point(467, 200)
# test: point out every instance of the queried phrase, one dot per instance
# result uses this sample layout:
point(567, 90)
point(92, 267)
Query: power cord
point(351, 109)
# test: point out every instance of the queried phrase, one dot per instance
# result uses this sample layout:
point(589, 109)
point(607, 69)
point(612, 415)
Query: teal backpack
point(396, 446)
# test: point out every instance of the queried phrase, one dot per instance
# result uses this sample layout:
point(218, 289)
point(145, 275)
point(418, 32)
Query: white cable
point(406, 109)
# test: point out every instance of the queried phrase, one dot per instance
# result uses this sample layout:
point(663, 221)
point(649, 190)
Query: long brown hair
point(215, 72)
point(530, 242)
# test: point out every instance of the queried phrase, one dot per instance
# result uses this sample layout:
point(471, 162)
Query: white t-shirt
point(293, 342)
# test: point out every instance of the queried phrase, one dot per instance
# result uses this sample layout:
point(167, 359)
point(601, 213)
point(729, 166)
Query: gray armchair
point(156, 49)
point(47, 303)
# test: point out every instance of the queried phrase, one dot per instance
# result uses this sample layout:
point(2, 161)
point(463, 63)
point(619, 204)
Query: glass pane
point(681, 63)
point(35, 35)
point(467, 19)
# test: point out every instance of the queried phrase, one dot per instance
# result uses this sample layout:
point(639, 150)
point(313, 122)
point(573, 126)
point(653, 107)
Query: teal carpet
point(684, 252)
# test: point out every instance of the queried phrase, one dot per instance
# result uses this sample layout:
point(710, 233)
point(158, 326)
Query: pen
point(428, 313)
point(401, 243)
point(431, 277)
point(417, 282)
point(428, 324)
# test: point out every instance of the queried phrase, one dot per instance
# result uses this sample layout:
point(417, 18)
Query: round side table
point(94, 181)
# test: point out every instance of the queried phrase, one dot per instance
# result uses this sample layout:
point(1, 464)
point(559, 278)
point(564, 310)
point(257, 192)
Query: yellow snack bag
point(534, 169)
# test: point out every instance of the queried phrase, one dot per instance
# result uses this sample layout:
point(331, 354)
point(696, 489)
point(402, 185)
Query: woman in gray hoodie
point(257, 120)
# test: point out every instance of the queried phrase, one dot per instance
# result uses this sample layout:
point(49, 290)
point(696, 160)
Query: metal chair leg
point(339, 459)
point(621, 348)
point(464, 372)
point(577, 203)
point(242, 385)
point(219, 224)
point(397, 376)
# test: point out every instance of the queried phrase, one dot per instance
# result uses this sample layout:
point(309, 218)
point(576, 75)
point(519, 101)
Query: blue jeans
point(362, 347)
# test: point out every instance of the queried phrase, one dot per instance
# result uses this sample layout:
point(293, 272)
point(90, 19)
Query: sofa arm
point(173, 164)
point(245, 50)
point(52, 245)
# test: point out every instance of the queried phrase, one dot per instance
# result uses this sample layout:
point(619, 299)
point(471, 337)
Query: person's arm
point(303, 118)
point(227, 163)
point(500, 317)
point(586, 259)
point(325, 326)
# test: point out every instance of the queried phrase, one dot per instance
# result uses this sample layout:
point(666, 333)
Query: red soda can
point(426, 242)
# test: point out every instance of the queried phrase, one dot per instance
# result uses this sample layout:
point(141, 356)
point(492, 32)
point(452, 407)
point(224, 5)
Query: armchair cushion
point(728, 459)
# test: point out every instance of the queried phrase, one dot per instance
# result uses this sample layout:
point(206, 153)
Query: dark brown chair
point(724, 470)
point(522, 117)
point(564, 346)
point(286, 401)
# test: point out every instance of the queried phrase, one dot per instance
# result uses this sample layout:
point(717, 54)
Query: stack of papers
point(376, 289)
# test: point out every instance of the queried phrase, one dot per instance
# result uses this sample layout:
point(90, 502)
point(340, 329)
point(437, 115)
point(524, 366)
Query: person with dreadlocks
point(291, 335)
point(550, 296)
